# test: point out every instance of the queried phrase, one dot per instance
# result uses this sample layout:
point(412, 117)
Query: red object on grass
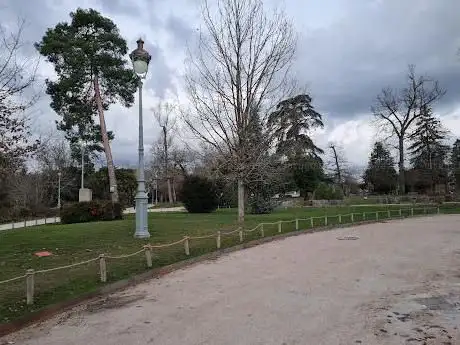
point(40, 254)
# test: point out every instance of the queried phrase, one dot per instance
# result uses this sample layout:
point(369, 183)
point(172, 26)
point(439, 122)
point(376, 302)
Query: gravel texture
point(389, 283)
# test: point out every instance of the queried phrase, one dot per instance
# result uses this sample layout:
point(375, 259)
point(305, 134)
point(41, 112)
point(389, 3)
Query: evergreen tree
point(88, 55)
point(291, 122)
point(380, 173)
point(455, 164)
point(428, 151)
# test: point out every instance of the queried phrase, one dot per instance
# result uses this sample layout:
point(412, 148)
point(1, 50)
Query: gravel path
point(398, 283)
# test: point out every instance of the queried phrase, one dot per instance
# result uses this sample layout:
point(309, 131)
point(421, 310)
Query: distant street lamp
point(141, 58)
point(59, 190)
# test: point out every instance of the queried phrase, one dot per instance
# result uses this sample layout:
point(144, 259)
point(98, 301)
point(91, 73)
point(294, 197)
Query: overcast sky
point(348, 50)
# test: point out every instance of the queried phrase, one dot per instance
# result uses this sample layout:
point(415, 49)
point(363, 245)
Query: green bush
point(199, 195)
point(328, 192)
point(91, 211)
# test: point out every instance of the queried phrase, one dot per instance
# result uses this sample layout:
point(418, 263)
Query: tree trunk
point(402, 180)
point(105, 142)
point(174, 191)
point(240, 202)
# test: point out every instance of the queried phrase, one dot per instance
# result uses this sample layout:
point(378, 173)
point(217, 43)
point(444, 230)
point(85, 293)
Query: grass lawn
point(79, 242)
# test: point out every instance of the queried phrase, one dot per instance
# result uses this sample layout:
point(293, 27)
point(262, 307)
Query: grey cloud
point(181, 32)
point(122, 7)
point(160, 76)
point(348, 63)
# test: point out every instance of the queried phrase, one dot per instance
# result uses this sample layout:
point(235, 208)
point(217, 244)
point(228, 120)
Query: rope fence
point(309, 223)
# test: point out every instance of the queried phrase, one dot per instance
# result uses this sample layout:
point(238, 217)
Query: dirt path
point(399, 283)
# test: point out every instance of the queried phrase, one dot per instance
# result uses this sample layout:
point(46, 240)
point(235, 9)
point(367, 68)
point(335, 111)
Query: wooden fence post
point(325, 220)
point(30, 282)
point(400, 212)
point(102, 268)
point(438, 211)
point(148, 255)
point(241, 235)
point(389, 214)
point(12, 225)
point(352, 217)
point(412, 211)
point(218, 239)
point(312, 223)
point(45, 220)
point(377, 215)
point(340, 219)
point(36, 222)
point(297, 224)
point(280, 226)
point(186, 246)
point(262, 231)
point(364, 215)
point(25, 223)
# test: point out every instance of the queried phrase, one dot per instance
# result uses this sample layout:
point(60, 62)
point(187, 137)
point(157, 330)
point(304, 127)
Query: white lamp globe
point(140, 66)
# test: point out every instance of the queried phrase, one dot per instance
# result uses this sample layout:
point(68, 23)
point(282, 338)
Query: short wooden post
point(438, 211)
point(400, 212)
point(280, 227)
point(297, 224)
point(218, 240)
point(325, 220)
point(55, 219)
point(45, 220)
point(389, 214)
point(412, 211)
point(241, 235)
point(352, 217)
point(340, 219)
point(262, 231)
point(312, 223)
point(102, 268)
point(377, 215)
point(364, 215)
point(36, 221)
point(186, 245)
point(148, 255)
point(30, 282)
point(25, 223)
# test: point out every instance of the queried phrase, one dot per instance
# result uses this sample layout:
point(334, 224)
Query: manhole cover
point(350, 238)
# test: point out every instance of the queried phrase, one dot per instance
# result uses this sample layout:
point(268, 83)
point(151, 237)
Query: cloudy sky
point(348, 50)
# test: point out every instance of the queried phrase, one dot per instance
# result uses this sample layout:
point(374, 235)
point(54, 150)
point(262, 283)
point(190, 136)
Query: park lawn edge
point(52, 310)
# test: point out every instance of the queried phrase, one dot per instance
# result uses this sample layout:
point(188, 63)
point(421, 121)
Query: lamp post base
point(142, 226)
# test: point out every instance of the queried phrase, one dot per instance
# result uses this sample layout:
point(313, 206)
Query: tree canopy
point(380, 174)
point(88, 55)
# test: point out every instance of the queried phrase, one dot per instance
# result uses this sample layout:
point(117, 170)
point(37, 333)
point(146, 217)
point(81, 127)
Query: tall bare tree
point(17, 94)
point(397, 110)
point(164, 115)
point(239, 70)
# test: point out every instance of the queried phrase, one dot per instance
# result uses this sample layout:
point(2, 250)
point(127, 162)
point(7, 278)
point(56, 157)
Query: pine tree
point(291, 121)
point(455, 164)
point(427, 149)
point(88, 55)
point(380, 173)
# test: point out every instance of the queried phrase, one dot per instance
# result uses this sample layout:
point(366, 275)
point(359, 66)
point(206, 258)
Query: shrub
point(199, 195)
point(91, 211)
point(260, 204)
point(328, 192)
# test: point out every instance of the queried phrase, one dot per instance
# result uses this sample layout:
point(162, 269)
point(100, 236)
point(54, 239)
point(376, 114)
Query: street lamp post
point(59, 190)
point(141, 58)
